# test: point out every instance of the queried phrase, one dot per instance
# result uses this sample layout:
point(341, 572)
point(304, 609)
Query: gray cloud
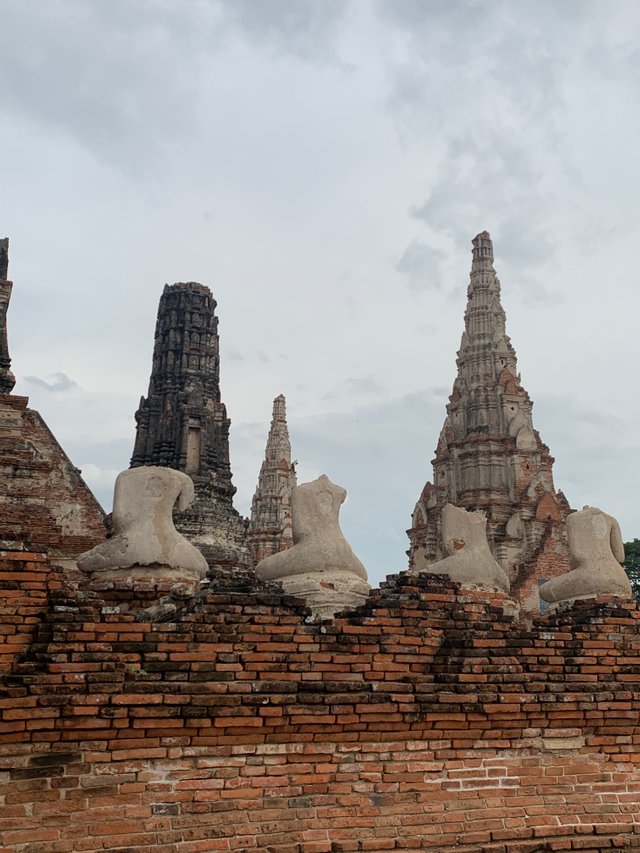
point(126, 81)
point(355, 386)
point(111, 76)
point(421, 265)
point(486, 92)
point(364, 385)
point(233, 355)
point(590, 467)
point(61, 382)
point(485, 178)
point(100, 463)
point(305, 30)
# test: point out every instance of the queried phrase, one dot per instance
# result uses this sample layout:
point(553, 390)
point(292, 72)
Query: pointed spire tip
point(482, 246)
point(279, 407)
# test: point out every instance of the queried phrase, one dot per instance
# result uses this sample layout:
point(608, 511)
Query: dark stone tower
point(183, 424)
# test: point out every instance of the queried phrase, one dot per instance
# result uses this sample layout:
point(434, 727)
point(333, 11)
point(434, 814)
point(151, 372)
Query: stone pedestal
point(327, 593)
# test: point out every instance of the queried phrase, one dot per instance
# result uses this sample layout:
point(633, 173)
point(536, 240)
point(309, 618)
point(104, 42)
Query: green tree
point(632, 564)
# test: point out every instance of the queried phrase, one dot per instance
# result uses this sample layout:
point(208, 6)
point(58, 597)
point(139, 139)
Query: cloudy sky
point(323, 165)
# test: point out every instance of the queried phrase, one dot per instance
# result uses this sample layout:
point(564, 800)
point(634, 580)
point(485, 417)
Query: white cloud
point(61, 382)
point(421, 265)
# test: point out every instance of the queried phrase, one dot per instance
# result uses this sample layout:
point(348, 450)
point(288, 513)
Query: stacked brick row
point(426, 720)
point(24, 579)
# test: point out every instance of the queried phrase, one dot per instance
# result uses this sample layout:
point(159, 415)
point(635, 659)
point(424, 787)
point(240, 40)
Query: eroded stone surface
point(468, 560)
point(320, 567)
point(145, 538)
point(327, 593)
point(596, 549)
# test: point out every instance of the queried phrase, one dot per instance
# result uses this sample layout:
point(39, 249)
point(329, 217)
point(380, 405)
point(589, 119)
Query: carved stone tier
point(489, 455)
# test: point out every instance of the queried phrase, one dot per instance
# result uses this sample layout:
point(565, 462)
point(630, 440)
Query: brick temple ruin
point(489, 455)
point(432, 717)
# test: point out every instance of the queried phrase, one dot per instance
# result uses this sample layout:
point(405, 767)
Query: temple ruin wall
point(429, 719)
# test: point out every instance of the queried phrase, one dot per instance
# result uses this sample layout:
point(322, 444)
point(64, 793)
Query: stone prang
point(468, 559)
point(144, 537)
point(320, 567)
point(270, 527)
point(182, 422)
point(489, 455)
point(596, 548)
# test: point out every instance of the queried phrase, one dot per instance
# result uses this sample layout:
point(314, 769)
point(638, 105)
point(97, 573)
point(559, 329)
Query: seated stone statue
point(468, 559)
point(320, 566)
point(596, 551)
point(145, 538)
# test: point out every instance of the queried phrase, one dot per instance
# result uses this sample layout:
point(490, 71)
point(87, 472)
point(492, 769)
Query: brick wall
point(428, 720)
point(24, 579)
point(44, 503)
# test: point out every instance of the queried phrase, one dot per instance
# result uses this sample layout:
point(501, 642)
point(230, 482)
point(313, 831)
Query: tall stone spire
point(7, 379)
point(270, 529)
point(183, 424)
point(489, 455)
